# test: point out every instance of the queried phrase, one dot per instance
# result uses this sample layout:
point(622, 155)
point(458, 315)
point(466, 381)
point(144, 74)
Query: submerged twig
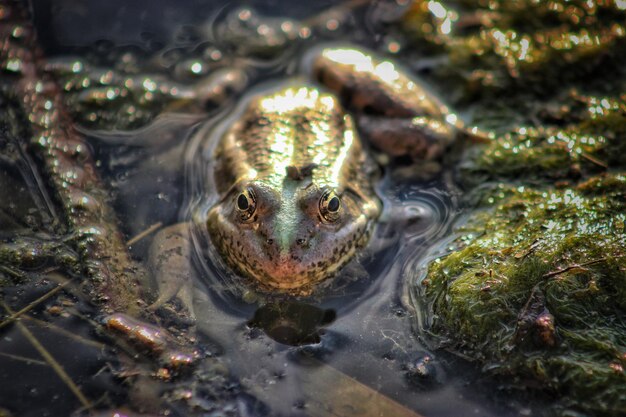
point(34, 303)
point(144, 233)
point(66, 333)
point(23, 359)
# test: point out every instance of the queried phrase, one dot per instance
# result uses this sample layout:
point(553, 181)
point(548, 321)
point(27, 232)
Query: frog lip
point(288, 272)
point(287, 269)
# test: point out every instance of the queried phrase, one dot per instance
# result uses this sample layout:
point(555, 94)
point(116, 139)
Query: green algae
point(537, 289)
point(594, 143)
point(494, 44)
point(534, 286)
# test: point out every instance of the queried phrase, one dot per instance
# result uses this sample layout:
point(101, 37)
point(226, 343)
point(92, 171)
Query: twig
point(64, 332)
point(594, 160)
point(49, 359)
point(35, 303)
point(23, 359)
point(143, 234)
point(11, 272)
point(569, 268)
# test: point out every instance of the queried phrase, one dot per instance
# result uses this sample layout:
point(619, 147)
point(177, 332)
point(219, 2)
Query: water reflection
point(292, 323)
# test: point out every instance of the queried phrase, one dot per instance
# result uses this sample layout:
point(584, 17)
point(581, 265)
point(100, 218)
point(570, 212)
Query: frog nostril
point(270, 241)
point(301, 242)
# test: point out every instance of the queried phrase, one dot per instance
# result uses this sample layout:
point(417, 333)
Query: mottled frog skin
point(294, 179)
point(297, 190)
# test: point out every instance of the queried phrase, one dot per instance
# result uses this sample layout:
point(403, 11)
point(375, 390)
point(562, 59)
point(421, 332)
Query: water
point(358, 329)
point(355, 336)
point(350, 349)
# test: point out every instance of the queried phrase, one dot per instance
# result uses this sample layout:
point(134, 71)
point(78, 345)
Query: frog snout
point(288, 247)
point(286, 236)
point(287, 250)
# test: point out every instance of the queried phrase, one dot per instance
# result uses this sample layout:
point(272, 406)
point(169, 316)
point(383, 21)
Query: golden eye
point(330, 205)
point(245, 204)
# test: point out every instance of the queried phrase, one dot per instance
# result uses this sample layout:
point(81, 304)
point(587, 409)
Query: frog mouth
point(290, 275)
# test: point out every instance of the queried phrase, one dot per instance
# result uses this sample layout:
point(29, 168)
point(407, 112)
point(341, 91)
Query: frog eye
point(245, 204)
point(330, 205)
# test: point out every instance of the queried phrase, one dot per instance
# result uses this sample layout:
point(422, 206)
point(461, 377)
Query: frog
point(294, 176)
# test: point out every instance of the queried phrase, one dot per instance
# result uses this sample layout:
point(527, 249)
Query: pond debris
point(151, 229)
point(592, 143)
point(64, 332)
point(338, 394)
point(121, 88)
point(154, 340)
point(578, 267)
point(107, 99)
point(24, 359)
point(35, 303)
point(504, 41)
point(87, 224)
point(70, 166)
point(533, 288)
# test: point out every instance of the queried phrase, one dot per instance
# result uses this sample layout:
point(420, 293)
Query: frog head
point(292, 237)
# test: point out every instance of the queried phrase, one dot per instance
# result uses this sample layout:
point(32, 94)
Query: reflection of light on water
point(424, 239)
point(437, 9)
point(524, 44)
point(445, 16)
point(149, 84)
point(385, 70)
point(196, 67)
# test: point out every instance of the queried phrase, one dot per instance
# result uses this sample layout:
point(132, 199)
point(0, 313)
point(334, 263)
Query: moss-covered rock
point(537, 289)
point(534, 288)
point(529, 44)
point(593, 142)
